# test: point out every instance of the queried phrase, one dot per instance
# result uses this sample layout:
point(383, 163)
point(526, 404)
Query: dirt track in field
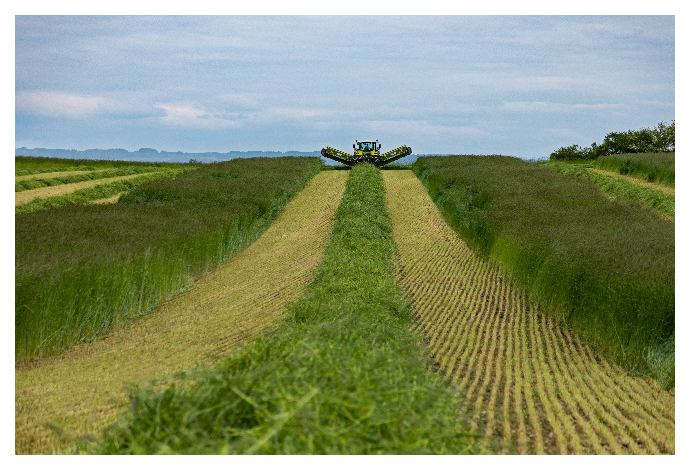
point(638, 181)
point(76, 392)
point(23, 197)
point(530, 386)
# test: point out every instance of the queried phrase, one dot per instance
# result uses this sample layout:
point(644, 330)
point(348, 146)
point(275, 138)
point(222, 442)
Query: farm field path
point(76, 393)
point(530, 386)
point(638, 181)
point(23, 197)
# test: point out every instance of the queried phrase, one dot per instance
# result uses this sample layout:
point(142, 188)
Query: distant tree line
point(662, 138)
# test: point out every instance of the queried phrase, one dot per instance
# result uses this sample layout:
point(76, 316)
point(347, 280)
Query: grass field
point(652, 167)
point(62, 401)
point(344, 375)
point(262, 306)
point(41, 182)
point(82, 269)
point(38, 165)
point(528, 382)
point(601, 266)
point(641, 192)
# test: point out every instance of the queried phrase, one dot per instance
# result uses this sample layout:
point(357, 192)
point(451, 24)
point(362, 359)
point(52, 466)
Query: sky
point(512, 85)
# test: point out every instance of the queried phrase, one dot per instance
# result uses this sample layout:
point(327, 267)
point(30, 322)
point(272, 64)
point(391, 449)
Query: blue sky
point(513, 85)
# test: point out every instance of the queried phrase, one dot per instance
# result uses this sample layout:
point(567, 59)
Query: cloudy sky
point(513, 85)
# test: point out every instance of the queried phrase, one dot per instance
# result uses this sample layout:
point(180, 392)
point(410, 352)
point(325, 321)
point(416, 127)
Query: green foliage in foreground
point(87, 176)
point(602, 266)
point(654, 198)
point(653, 167)
point(101, 191)
point(81, 269)
point(344, 375)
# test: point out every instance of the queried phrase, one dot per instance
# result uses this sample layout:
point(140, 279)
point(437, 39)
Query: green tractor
point(366, 151)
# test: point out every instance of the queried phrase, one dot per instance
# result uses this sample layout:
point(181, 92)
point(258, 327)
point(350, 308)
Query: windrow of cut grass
point(528, 382)
point(652, 167)
point(65, 400)
point(82, 269)
point(343, 376)
point(28, 173)
point(51, 174)
point(97, 192)
point(604, 267)
point(40, 182)
point(620, 188)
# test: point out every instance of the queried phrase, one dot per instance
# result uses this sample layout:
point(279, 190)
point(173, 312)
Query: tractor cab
point(366, 150)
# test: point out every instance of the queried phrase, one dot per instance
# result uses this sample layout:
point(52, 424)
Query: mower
point(366, 151)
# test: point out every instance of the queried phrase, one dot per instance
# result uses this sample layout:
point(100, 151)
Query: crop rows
point(526, 380)
point(43, 181)
point(220, 312)
point(343, 375)
point(82, 269)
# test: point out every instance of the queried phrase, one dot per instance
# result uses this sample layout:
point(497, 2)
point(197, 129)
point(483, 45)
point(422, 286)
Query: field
point(471, 305)
point(652, 167)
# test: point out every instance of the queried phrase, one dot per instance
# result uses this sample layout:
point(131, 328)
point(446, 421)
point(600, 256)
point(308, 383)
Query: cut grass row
point(40, 182)
point(619, 188)
point(96, 192)
point(604, 267)
point(343, 376)
point(528, 382)
point(82, 269)
point(76, 392)
point(652, 167)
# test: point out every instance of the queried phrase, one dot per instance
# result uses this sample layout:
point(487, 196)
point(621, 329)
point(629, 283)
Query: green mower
point(366, 151)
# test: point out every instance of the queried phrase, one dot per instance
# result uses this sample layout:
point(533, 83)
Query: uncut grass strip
point(348, 339)
point(219, 313)
point(653, 167)
point(640, 182)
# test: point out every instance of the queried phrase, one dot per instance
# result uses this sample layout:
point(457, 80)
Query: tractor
point(366, 151)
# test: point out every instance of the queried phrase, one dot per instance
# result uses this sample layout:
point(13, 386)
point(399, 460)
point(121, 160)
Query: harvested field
point(527, 381)
point(24, 197)
point(108, 200)
point(76, 392)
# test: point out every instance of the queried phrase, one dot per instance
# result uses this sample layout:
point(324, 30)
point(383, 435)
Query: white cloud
point(190, 115)
point(59, 104)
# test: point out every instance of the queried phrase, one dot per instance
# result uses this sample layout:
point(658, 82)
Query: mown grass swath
point(39, 182)
point(654, 198)
point(97, 192)
point(343, 375)
point(604, 267)
point(653, 167)
point(81, 269)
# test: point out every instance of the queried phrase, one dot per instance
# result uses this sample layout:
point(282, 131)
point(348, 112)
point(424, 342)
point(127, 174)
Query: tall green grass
point(604, 267)
point(344, 375)
point(81, 269)
point(653, 167)
point(649, 197)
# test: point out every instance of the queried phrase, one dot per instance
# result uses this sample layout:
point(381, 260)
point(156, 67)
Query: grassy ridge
point(603, 267)
point(653, 167)
point(35, 165)
point(343, 376)
point(80, 269)
point(654, 198)
point(109, 173)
